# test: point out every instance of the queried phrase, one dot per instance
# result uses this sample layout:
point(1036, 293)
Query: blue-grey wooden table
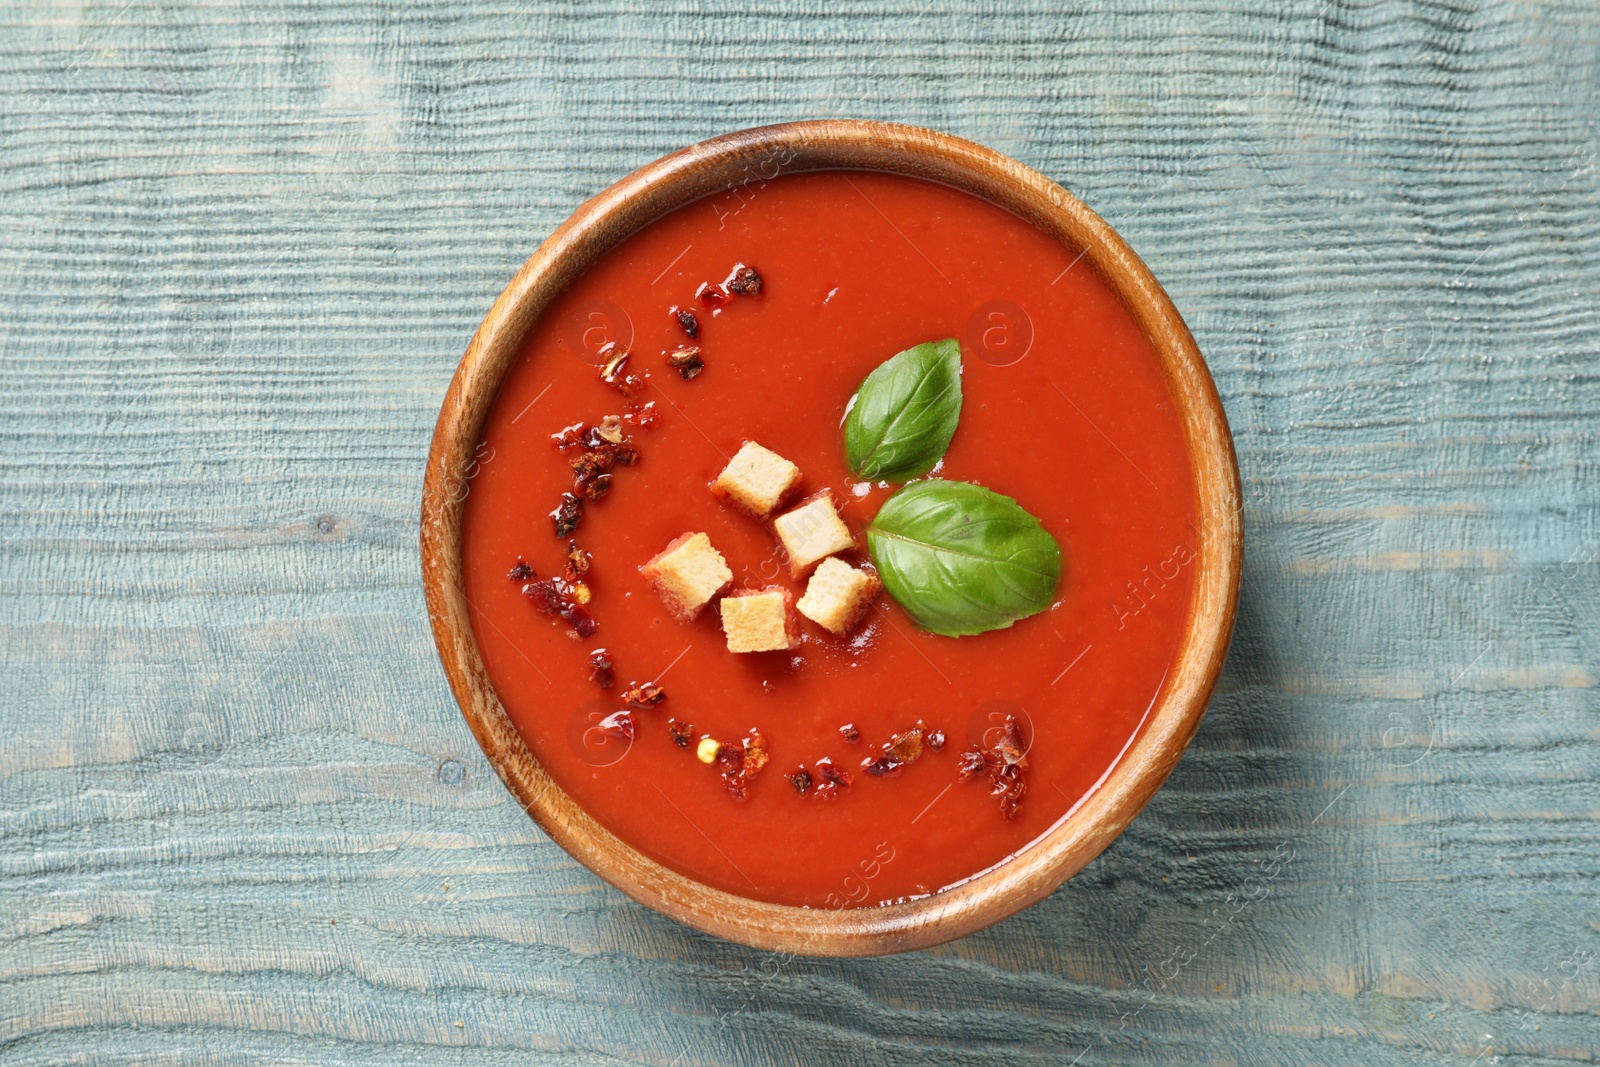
point(241, 249)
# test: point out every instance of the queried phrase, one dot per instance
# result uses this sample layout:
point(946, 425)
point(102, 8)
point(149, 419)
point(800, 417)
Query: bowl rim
point(755, 156)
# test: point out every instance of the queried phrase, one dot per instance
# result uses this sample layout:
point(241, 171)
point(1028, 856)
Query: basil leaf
point(904, 414)
point(962, 559)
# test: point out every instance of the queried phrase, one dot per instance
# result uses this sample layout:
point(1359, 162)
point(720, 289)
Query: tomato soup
point(1064, 409)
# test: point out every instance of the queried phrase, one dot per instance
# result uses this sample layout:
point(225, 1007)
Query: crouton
point(760, 620)
point(838, 595)
point(756, 479)
point(687, 574)
point(810, 532)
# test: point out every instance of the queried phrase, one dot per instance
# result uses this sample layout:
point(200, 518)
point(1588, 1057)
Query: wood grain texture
point(241, 249)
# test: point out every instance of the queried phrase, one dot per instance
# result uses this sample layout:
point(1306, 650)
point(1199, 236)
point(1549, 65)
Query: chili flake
point(849, 732)
point(568, 515)
point(687, 362)
point(969, 763)
point(577, 562)
point(832, 778)
point(730, 765)
point(547, 595)
point(712, 296)
point(739, 766)
point(601, 669)
point(744, 281)
point(590, 466)
point(568, 436)
point(521, 572)
point(1010, 748)
point(645, 414)
point(620, 724)
point(901, 749)
point(686, 320)
point(555, 597)
point(755, 751)
point(644, 694)
point(611, 370)
point(800, 780)
point(678, 731)
point(1005, 761)
point(583, 625)
point(1009, 786)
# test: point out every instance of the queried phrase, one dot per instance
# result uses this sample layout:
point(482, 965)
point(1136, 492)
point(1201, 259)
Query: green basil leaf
point(904, 414)
point(962, 559)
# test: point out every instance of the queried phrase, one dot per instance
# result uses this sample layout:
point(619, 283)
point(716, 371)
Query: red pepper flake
point(680, 732)
point(591, 471)
point(555, 597)
point(644, 694)
point(568, 515)
point(882, 765)
point(712, 296)
point(1005, 761)
point(590, 466)
point(645, 414)
point(744, 281)
point(1009, 786)
point(616, 363)
point(520, 573)
point(686, 320)
point(1011, 748)
point(577, 616)
point(906, 747)
point(619, 724)
point(832, 779)
point(548, 595)
point(687, 362)
point(755, 751)
point(739, 766)
point(901, 749)
point(601, 669)
point(577, 562)
point(935, 739)
point(800, 780)
point(730, 764)
point(568, 436)
point(849, 732)
point(605, 446)
point(614, 372)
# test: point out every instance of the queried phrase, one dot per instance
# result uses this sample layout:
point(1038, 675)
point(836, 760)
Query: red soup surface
point(1065, 409)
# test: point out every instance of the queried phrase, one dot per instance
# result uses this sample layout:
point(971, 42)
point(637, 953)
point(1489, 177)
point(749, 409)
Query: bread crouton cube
point(838, 595)
point(687, 574)
point(811, 532)
point(756, 479)
point(759, 621)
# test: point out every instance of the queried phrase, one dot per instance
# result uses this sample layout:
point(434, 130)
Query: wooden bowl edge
point(684, 176)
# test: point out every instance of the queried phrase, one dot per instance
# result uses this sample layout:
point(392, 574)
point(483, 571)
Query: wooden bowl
point(755, 155)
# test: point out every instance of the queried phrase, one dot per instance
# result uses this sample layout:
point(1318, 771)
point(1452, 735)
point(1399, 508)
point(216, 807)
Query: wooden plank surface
point(241, 249)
